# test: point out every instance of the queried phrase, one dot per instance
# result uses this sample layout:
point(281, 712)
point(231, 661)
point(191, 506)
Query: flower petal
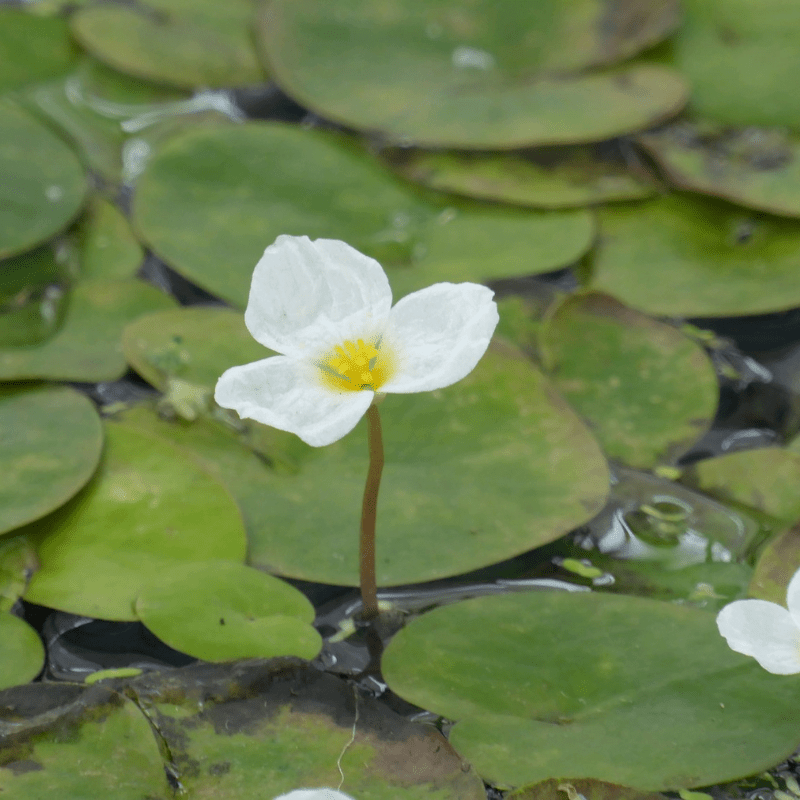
point(440, 334)
point(314, 794)
point(307, 296)
point(281, 392)
point(793, 597)
point(763, 630)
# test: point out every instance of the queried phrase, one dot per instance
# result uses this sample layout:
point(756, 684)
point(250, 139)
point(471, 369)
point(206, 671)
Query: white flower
point(766, 631)
point(314, 794)
point(328, 309)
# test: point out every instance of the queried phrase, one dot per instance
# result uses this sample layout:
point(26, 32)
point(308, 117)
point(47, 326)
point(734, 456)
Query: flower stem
point(369, 509)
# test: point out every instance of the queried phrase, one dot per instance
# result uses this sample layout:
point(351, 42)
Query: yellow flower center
point(353, 366)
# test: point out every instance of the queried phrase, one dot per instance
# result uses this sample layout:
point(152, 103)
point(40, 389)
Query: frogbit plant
point(328, 310)
point(766, 631)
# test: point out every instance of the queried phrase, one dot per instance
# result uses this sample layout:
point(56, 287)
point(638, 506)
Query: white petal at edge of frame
point(441, 333)
point(766, 631)
point(306, 294)
point(281, 392)
point(314, 794)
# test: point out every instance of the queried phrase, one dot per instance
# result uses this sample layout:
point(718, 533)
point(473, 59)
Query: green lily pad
point(98, 745)
point(777, 563)
point(21, 656)
point(148, 510)
point(627, 375)
point(563, 177)
point(245, 185)
point(765, 479)
point(580, 789)
point(488, 443)
point(52, 442)
point(222, 610)
point(622, 689)
point(108, 247)
point(234, 730)
point(491, 75)
point(197, 44)
point(32, 48)
point(88, 346)
point(754, 167)
point(196, 344)
point(43, 185)
point(685, 256)
point(741, 59)
point(517, 467)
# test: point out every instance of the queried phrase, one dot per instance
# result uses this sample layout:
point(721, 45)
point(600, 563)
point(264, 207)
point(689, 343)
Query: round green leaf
point(88, 345)
point(21, 654)
point(754, 167)
point(221, 611)
point(545, 178)
point(622, 689)
point(195, 344)
point(43, 186)
point(476, 473)
point(490, 75)
point(199, 44)
point(741, 59)
point(147, 510)
point(32, 48)
point(233, 730)
point(243, 186)
point(682, 256)
point(765, 479)
point(627, 375)
point(52, 439)
point(108, 246)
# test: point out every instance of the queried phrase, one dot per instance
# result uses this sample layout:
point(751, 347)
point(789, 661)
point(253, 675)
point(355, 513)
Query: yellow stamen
point(353, 366)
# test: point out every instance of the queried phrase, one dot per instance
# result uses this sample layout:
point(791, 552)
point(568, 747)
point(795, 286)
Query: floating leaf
point(491, 75)
point(32, 48)
point(52, 439)
point(741, 59)
point(627, 375)
point(197, 44)
point(755, 167)
point(108, 247)
point(765, 479)
point(43, 186)
point(196, 344)
point(147, 510)
point(684, 256)
point(282, 724)
point(245, 185)
point(21, 656)
point(622, 689)
point(562, 177)
point(88, 346)
point(222, 610)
